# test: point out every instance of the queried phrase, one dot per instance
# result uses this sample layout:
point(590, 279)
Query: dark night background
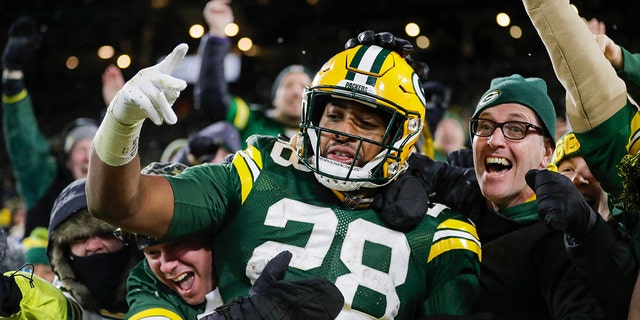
point(467, 48)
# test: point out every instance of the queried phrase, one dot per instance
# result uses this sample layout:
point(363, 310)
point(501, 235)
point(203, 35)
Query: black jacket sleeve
point(606, 263)
point(212, 91)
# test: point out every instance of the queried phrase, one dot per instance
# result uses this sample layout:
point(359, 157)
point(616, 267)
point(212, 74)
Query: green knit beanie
point(530, 92)
point(35, 246)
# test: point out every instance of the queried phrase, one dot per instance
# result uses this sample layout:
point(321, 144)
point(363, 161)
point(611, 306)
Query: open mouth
point(496, 165)
point(341, 157)
point(184, 281)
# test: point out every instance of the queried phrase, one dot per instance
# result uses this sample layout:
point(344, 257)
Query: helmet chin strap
point(353, 201)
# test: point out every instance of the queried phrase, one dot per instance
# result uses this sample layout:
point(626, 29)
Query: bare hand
point(112, 81)
point(610, 49)
point(217, 14)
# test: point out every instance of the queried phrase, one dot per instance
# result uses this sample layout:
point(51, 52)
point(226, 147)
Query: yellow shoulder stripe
point(242, 113)
point(156, 312)
point(13, 99)
point(452, 235)
point(633, 145)
point(248, 163)
point(459, 225)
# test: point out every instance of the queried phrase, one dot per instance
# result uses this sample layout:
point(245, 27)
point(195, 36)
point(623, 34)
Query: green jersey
point(266, 201)
point(604, 146)
point(148, 298)
point(253, 119)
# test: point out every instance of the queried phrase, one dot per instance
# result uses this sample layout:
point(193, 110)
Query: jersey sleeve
point(33, 165)
point(202, 197)
point(453, 266)
point(631, 66)
point(604, 146)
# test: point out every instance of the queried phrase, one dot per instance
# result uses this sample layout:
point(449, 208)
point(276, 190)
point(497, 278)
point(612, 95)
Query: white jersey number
point(312, 255)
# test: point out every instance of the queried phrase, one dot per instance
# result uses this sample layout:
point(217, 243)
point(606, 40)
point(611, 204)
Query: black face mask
point(103, 275)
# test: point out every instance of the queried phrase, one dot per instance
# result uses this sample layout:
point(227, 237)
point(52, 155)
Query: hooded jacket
point(70, 220)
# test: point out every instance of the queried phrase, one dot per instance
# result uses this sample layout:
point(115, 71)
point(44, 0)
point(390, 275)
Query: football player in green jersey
point(310, 196)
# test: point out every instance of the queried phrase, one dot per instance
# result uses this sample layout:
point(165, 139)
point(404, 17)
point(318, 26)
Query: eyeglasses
point(512, 130)
point(123, 236)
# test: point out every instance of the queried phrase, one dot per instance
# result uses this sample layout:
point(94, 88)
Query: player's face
point(356, 119)
point(288, 96)
point(577, 170)
point(186, 267)
point(78, 162)
point(104, 243)
point(501, 164)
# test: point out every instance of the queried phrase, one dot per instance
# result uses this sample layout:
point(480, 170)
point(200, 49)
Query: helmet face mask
point(372, 77)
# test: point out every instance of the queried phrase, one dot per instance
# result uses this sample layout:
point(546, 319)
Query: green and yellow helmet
point(375, 77)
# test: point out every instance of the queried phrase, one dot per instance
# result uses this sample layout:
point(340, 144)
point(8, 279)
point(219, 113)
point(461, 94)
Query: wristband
point(115, 143)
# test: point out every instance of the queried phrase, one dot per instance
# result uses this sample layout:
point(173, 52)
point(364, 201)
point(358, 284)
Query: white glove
point(151, 92)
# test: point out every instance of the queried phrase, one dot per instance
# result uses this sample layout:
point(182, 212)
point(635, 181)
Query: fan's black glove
point(461, 158)
point(10, 296)
point(388, 41)
point(560, 204)
point(402, 203)
point(24, 40)
point(274, 298)
point(452, 185)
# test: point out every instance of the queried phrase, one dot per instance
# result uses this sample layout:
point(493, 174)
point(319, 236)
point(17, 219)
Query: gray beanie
point(286, 71)
point(79, 129)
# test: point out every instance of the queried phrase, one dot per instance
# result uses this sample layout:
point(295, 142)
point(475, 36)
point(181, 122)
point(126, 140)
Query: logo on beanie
point(489, 97)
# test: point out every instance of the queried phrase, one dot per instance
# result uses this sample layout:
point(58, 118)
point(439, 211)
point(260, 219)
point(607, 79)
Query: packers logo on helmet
point(374, 77)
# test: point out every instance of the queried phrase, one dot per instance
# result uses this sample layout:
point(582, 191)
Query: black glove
point(24, 40)
point(203, 149)
point(560, 204)
point(383, 39)
point(461, 158)
point(274, 298)
point(455, 186)
point(10, 296)
point(402, 203)
point(388, 41)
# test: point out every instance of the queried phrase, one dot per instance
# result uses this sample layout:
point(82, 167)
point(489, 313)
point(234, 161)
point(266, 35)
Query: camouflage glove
point(274, 298)
point(388, 41)
point(23, 42)
point(10, 296)
point(560, 204)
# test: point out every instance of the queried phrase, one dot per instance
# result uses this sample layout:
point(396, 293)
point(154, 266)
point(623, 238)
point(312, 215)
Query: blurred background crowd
point(465, 43)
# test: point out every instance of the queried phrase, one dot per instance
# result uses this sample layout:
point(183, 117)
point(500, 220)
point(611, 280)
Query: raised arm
point(116, 190)
point(595, 93)
point(33, 165)
point(578, 63)
point(212, 91)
